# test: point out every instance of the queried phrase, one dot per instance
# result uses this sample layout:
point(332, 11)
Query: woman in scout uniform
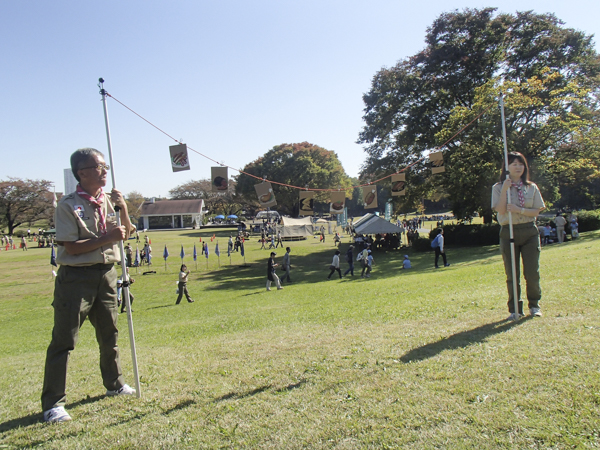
point(525, 205)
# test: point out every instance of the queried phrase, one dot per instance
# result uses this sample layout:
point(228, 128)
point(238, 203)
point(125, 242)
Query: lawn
point(421, 358)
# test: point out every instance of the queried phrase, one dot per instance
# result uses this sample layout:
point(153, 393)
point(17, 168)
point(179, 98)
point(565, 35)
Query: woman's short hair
point(511, 157)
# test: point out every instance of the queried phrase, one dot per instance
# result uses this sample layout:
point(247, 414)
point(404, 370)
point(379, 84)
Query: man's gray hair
point(81, 156)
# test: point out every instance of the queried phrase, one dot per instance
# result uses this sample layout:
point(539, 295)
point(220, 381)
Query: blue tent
point(232, 216)
point(220, 216)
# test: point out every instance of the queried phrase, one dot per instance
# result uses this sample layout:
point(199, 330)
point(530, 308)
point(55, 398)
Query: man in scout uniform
point(86, 284)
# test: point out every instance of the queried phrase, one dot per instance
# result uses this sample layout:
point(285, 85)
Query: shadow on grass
point(291, 387)
point(181, 405)
point(460, 340)
point(33, 419)
point(236, 395)
point(314, 267)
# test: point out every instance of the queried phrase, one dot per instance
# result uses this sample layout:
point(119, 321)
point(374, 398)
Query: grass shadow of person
point(36, 418)
point(460, 340)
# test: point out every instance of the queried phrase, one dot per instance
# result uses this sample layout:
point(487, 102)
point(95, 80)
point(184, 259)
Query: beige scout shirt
point(533, 200)
point(78, 219)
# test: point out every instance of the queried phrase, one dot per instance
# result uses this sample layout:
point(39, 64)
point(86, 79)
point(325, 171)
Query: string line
point(290, 185)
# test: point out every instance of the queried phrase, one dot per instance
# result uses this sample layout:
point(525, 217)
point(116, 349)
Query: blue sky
point(230, 78)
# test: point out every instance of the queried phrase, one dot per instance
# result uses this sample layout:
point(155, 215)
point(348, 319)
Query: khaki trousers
point(527, 248)
point(81, 292)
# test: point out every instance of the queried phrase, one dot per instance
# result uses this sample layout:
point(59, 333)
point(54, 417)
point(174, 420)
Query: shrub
point(588, 220)
point(463, 236)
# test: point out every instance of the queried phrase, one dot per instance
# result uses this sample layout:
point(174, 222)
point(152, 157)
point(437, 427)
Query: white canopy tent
point(372, 224)
point(295, 228)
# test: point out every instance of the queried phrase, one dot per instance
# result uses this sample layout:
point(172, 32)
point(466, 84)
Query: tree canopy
point(301, 165)
point(549, 75)
point(24, 201)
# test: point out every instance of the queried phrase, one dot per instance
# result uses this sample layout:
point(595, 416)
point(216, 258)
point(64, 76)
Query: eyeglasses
point(98, 167)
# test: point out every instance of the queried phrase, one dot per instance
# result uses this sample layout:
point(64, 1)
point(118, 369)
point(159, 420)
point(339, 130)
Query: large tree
point(24, 201)
point(299, 165)
point(550, 75)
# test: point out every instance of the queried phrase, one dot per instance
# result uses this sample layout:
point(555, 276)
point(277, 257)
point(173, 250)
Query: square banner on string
point(306, 203)
point(179, 157)
point(370, 197)
point(338, 200)
point(437, 162)
point(266, 196)
point(219, 179)
point(399, 184)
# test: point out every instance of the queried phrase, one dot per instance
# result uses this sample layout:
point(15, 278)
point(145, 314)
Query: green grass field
point(406, 359)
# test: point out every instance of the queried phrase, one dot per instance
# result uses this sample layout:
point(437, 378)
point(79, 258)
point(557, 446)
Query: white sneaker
point(57, 414)
point(514, 316)
point(124, 390)
point(535, 312)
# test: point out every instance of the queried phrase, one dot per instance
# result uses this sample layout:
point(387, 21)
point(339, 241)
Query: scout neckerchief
point(97, 202)
point(519, 187)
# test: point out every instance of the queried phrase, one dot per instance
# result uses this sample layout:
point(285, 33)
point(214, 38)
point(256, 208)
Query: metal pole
point(510, 224)
point(125, 276)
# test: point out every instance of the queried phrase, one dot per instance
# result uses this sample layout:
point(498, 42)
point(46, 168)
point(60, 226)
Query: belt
point(94, 267)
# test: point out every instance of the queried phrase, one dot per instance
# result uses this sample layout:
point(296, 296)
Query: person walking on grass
point(525, 205)
point(271, 275)
point(182, 285)
point(335, 265)
point(350, 261)
point(286, 265)
point(369, 264)
point(438, 245)
point(86, 283)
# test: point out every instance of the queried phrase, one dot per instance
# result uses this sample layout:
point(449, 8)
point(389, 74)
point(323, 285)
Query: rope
point(291, 185)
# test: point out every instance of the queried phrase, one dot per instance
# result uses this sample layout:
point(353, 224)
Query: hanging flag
point(206, 250)
point(266, 196)
point(399, 184)
point(217, 252)
point(182, 254)
point(338, 200)
point(137, 257)
point(306, 203)
point(219, 179)
point(437, 162)
point(195, 253)
point(166, 253)
point(242, 248)
point(179, 157)
point(54, 201)
point(53, 257)
point(370, 197)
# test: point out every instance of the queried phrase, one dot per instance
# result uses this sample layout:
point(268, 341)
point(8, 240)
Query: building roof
point(169, 207)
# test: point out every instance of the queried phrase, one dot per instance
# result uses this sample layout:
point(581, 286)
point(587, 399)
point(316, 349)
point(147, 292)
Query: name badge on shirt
point(79, 210)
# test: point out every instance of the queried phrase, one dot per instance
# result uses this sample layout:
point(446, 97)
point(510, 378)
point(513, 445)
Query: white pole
point(513, 262)
point(125, 291)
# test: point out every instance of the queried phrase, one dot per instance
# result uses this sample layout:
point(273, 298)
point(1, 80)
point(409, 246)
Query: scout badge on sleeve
point(266, 196)
point(399, 184)
point(306, 203)
point(370, 197)
point(338, 200)
point(437, 162)
point(179, 157)
point(219, 179)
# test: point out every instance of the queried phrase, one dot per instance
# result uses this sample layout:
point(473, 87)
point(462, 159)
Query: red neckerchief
point(519, 187)
point(97, 202)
